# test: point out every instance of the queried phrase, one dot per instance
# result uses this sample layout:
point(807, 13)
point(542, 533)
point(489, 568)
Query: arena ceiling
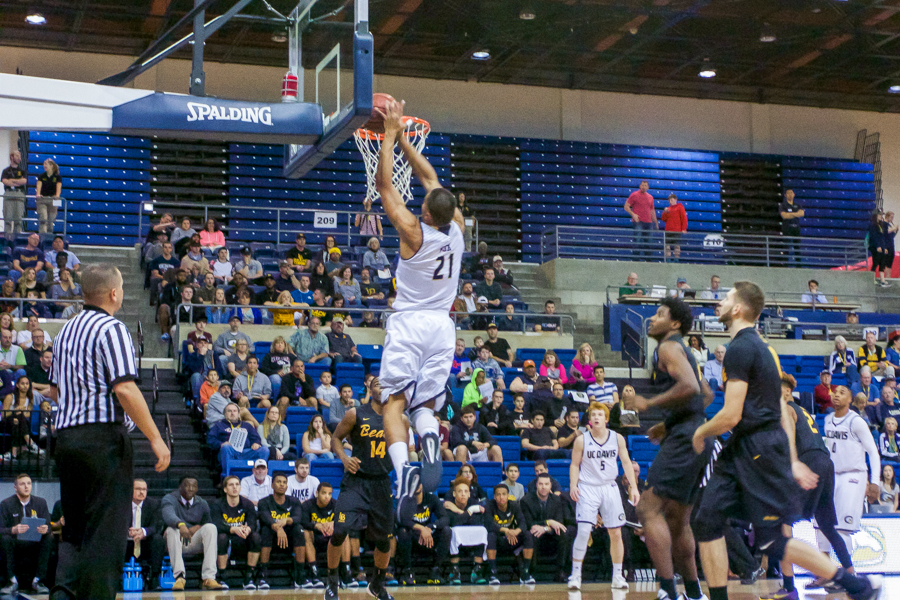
point(825, 53)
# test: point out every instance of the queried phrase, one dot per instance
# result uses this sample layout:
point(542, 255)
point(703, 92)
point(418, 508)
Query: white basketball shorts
point(604, 499)
point(418, 354)
point(849, 499)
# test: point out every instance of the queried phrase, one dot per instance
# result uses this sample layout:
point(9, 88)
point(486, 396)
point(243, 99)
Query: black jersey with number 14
point(367, 439)
point(661, 381)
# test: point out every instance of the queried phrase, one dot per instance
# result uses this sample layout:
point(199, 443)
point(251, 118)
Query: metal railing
point(20, 302)
point(169, 438)
point(381, 314)
point(633, 342)
point(826, 331)
point(322, 222)
point(608, 243)
point(155, 391)
point(140, 352)
point(63, 208)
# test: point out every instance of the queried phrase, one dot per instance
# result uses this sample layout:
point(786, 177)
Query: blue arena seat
point(510, 446)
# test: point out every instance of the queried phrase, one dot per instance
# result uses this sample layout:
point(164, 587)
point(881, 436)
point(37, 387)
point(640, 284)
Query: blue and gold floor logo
point(869, 547)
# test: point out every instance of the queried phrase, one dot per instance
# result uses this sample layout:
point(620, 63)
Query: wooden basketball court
point(592, 591)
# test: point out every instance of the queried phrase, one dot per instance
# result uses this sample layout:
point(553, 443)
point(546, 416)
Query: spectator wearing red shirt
point(822, 393)
point(676, 223)
point(639, 207)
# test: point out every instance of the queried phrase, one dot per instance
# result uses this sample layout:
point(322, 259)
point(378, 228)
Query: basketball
point(376, 122)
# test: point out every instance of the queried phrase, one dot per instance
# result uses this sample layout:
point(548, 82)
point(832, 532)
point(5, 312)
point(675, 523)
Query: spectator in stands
point(521, 418)
point(639, 207)
point(498, 347)
point(468, 218)
point(698, 349)
point(474, 394)
point(296, 387)
point(6, 324)
point(496, 417)
point(65, 289)
point(183, 232)
point(34, 308)
point(58, 247)
point(516, 490)
point(211, 238)
point(15, 182)
point(866, 386)
point(237, 361)
point(877, 242)
point(491, 368)
point(539, 442)
point(284, 316)
point(258, 484)
point(566, 434)
point(892, 353)
point(206, 293)
point(842, 361)
point(323, 254)
point(537, 389)
point(227, 341)
point(275, 435)
point(714, 292)
point(218, 401)
point(601, 390)
point(889, 441)
point(12, 358)
point(889, 236)
point(152, 250)
point(547, 322)
point(13, 511)
point(886, 408)
point(461, 369)
point(471, 441)
point(316, 442)
point(376, 259)
point(17, 407)
point(185, 311)
point(269, 293)
point(245, 312)
point(581, 373)
point(552, 368)
point(824, 392)
point(193, 258)
point(145, 534)
point(509, 321)
point(48, 190)
point(622, 416)
point(220, 433)
point(334, 265)
point(346, 401)
point(791, 213)
point(198, 361)
point(889, 491)
point(682, 289)
point(712, 370)
point(300, 256)
point(8, 290)
point(340, 345)
point(501, 275)
point(39, 374)
point(189, 530)
point(546, 517)
point(466, 519)
point(346, 286)
point(317, 307)
point(249, 267)
point(871, 354)
point(28, 282)
point(631, 287)
point(490, 289)
point(166, 225)
point(277, 362)
point(367, 222)
point(477, 343)
point(303, 295)
point(474, 265)
point(286, 280)
point(814, 296)
point(219, 314)
point(676, 224)
point(861, 407)
point(28, 256)
point(251, 385)
point(371, 292)
point(311, 345)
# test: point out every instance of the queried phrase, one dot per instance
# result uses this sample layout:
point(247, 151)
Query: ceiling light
point(35, 19)
point(766, 35)
point(894, 89)
point(279, 38)
point(527, 14)
point(707, 70)
point(481, 55)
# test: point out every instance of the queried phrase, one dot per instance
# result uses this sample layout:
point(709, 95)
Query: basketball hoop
point(369, 144)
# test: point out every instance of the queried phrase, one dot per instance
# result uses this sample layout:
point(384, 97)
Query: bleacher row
point(562, 183)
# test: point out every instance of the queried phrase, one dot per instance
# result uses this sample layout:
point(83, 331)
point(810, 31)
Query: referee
point(93, 382)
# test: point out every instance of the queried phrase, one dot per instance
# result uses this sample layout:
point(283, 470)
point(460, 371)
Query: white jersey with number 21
point(429, 280)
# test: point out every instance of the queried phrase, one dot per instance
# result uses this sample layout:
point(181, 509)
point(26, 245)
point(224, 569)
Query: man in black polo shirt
point(546, 322)
point(39, 374)
point(490, 289)
point(340, 345)
point(499, 347)
point(38, 345)
point(14, 179)
point(539, 442)
point(791, 213)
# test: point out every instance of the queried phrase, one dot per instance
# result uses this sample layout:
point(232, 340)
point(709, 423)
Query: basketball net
point(369, 144)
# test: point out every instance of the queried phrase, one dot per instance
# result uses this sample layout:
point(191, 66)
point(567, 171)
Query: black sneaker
point(261, 583)
point(331, 591)
point(455, 576)
point(526, 579)
point(432, 467)
point(434, 578)
point(38, 587)
point(757, 574)
point(872, 590)
point(248, 581)
point(406, 495)
point(12, 589)
point(408, 579)
point(317, 583)
point(345, 577)
point(308, 584)
point(493, 579)
point(380, 593)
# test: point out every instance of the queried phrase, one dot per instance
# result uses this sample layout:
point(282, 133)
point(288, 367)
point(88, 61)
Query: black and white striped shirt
point(91, 354)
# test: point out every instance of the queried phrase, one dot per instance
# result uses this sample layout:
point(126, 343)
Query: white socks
point(576, 568)
point(617, 570)
point(424, 421)
point(399, 453)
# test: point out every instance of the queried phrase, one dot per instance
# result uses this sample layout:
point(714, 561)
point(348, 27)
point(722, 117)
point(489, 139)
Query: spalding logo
point(211, 112)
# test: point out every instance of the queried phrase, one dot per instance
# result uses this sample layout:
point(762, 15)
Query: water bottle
point(128, 576)
point(166, 577)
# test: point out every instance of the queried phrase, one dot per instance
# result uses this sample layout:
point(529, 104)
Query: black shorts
point(819, 501)
point(498, 541)
point(673, 237)
point(751, 481)
point(880, 260)
point(294, 533)
point(365, 503)
point(676, 471)
point(888, 259)
point(239, 546)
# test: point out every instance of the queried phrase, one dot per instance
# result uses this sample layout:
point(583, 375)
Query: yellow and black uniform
point(365, 500)
point(226, 517)
point(870, 358)
point(312, 514)
point(511, 517)
point(270, 511)
point(752, 480)
point(299, 258)
point(812, 451)
point(429, 513)
point(677, 470)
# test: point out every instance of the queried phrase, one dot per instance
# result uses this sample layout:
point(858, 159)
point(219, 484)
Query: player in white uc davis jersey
point(420, 336)
point(592, 485)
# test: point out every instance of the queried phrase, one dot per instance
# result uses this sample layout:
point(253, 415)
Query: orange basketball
point(375, 122)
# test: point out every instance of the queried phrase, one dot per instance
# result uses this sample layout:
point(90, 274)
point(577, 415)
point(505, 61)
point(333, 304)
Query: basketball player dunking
point(420, 337)
point(818, 502)
point(754, 477)
point(675, 475)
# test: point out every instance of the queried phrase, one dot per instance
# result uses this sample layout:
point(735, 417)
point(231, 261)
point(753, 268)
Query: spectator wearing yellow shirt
point(285, 316)
point(871, 355)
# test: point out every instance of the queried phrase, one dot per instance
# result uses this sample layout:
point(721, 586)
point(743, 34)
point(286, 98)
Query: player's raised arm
point(406, 223)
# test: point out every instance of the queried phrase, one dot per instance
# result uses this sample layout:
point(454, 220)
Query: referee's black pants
point(95, 480)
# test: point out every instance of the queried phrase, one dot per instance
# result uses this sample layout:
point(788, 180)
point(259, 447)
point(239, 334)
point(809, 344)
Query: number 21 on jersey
point(439, 269)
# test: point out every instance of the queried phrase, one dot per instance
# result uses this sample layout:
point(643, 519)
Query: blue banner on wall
point(178, 115)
